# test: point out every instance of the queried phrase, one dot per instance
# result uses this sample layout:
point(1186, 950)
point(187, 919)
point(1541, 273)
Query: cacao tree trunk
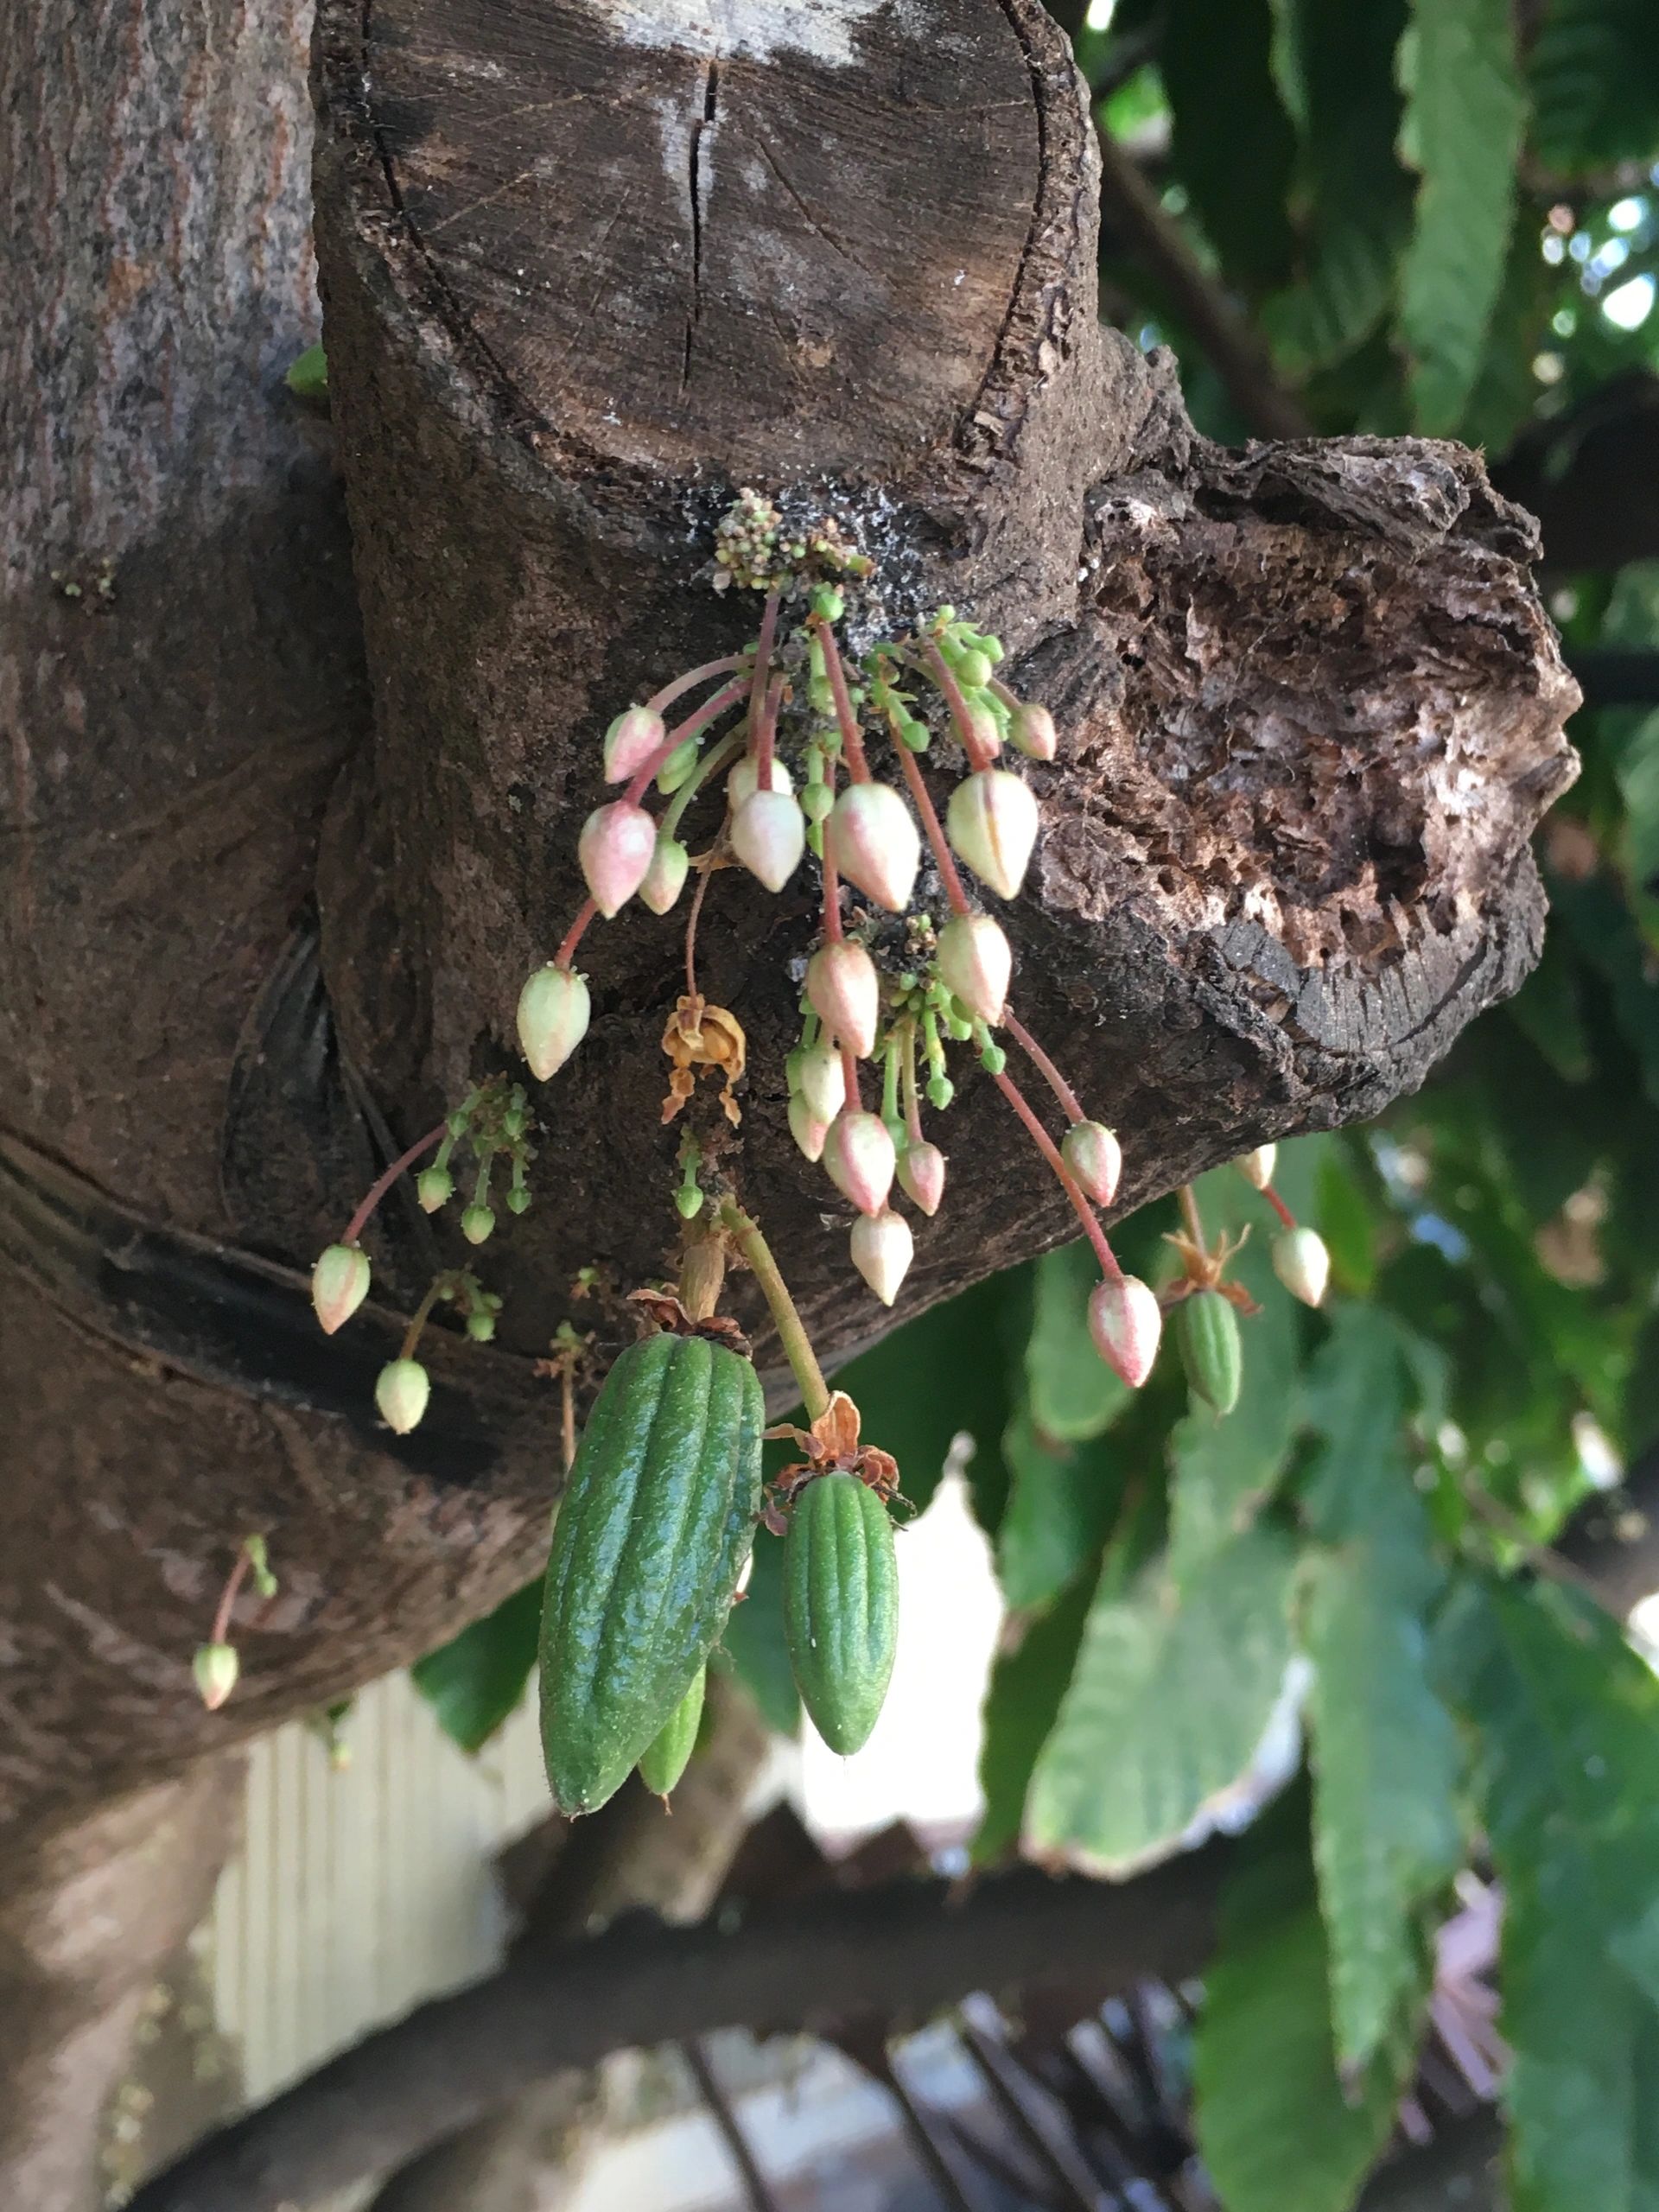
point(587, 271)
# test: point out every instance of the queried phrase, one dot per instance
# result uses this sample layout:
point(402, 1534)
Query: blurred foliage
point(1441, 216)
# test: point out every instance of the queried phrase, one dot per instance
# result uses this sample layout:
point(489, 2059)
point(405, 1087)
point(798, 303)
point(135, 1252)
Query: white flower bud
point(992, 822)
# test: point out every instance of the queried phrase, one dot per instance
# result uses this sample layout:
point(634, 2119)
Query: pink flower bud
point(769, 836)
point(808, 1131)
point(1031, 727)
point(984, 726)
point(215, 1668)
point(872, 839)
point(1302, 1264)
point(1257, 1168)
point(615, 850)
point(921, 1175)
point(974, 962)
point(401, 1391)
point(745, 780)
point(1094, 1158)
point(992, 821)
point(845, 993)
point(822, 1081)
point(858, 1154)
point(882, 1250)
point(339, 1283)
point(665, 878)
point(631, 741)
point(553, 1011)
point(1125, 1325)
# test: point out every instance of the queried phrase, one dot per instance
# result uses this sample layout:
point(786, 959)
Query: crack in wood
point(696, 189)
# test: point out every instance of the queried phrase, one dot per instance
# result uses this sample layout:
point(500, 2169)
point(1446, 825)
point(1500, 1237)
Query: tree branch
point(904, 1948)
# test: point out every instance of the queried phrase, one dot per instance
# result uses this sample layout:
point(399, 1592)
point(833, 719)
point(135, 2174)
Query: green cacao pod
point(666, 1758)
point(655, 1524)
point(1211, 1351)
point(841, 1606)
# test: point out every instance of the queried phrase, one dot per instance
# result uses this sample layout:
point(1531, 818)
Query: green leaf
point(1637, 773)
point(1387, 1835)
point(308, 377)
point(1061, 1507)
point(1025, 1688)
point(1074, 1394)
point(1567, 1719)
point(1342, 58)
point(1594, 74)
point(754, 1641)
point(953, 1367)
point(475, 1681)
point(1233, 143)
point(1174, 1692)
point(1604, 933)
point(1582, 2089)
point(1277, 2129)
point(1385, 1755)
point(1348, 1222)
point(1465, 115)
point(1548, 1011)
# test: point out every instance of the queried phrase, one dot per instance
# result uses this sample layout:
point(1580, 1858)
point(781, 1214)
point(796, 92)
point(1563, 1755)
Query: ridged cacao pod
point(655, 1524)
point(1211, 1351)
point(841, 1606)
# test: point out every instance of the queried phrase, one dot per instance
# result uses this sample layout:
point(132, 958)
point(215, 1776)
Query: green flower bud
point(339, 1283)
point(401, 1392)
point(477, 1223)
point(433, 1187)
point(216, 1668)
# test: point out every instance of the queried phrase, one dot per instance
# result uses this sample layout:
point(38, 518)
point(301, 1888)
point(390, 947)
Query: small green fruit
point(1207, 1328)
point(841, 1606)
point(667, 1758)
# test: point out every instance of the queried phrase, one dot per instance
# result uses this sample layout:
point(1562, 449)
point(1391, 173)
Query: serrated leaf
point(1233, 143)
point(1342, 59)
point(1024, 1697)
point(1063, 1500)
point(755, 1644)
point(475, 1681)
point(1385, 1764)
point(1174, 1692)
point(1582, 2089)
point(1074, 1395)
point(1278, 2129)
point(1567, 1719)
point(1568, 1722)
point(1385, 1754)
point(1465, 111)
point(1593, 68)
